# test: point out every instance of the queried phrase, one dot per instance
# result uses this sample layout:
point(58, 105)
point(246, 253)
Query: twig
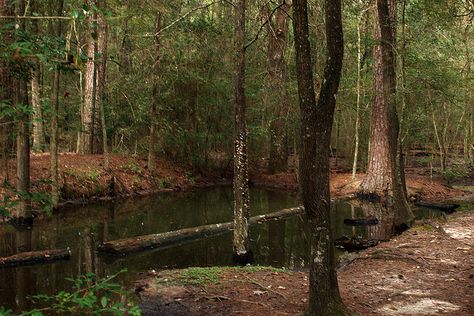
point(264, 23)
point(185, 15)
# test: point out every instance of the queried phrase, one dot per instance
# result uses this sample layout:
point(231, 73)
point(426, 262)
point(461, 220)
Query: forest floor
point(427, 270)
point(83, 179)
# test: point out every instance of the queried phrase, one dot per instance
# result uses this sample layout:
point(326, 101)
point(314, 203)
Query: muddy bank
point(428, 270)
point(419, 186)
point(83, 178)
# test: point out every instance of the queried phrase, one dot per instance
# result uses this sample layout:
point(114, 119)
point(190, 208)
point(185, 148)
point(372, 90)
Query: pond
point(82, 228)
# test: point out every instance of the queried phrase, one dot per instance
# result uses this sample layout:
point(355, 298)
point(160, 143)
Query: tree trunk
point(383, 178)
point(87, 142)
point(53, 142)
point(20, 98)
point(277, 29)
point(316, 125)
point(154, 102)
point(242, 253)
point(6, 88)
point(100, 79)
point(38, 126)
point(34, 257)
point(139, 243)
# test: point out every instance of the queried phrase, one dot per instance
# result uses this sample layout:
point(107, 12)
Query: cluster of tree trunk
point(316, 125)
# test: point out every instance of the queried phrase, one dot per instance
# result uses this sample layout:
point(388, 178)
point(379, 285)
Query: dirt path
point(428, 270)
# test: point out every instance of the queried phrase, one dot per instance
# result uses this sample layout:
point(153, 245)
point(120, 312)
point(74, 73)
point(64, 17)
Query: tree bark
point(53, 142)
point(155, 96)
point(101, 78)
point(241, 240)
point(316, 125)
point(38, 126)
point(277, 28)
point(87, 131)
point(6, 89)
point(33, 257)
point(135, 244)
point(383, 177)
point(20, 100)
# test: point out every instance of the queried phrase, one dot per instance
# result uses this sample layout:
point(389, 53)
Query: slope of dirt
point(428, 270)
point(342, 184)
point(84, 178)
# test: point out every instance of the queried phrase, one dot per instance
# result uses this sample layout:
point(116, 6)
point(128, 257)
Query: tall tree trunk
point(53, 142)
point(358, 88)
point(316, 125)
point(100, 79)
point(242, 253)
point(383, 178)
point(155, 96)
point(38, 126)
point(6, 89)
point(20, 97)
point(87, 131)
point(277, 29)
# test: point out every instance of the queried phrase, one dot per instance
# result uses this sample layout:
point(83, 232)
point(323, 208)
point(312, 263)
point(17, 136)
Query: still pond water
point(82, 228)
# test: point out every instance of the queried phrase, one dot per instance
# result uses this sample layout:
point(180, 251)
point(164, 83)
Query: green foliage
point(88, 296)
point(41, 200)
point(164, 183)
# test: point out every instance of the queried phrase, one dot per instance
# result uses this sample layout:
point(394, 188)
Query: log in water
point(448, 208)
point(135, 244)
point(33, 257)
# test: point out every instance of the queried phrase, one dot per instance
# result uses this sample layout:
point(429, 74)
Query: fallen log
point(361, 221)
point(33, 257)
point(448, 208)
point(355, 243)
point(136, 244)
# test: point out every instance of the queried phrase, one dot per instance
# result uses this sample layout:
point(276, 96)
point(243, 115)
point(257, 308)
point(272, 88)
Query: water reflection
point(82, 228)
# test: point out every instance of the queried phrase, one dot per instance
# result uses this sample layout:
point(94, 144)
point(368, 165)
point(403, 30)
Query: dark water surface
point(82, 228)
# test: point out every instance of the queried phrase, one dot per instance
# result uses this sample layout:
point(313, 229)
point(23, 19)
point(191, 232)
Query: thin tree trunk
point(241, 249)
point(277, 29)
point(20, 97)
point(154, 102)
point(357, 122)
point(316, 125)
point(87, 142)
point(38, 126)
point(53, 142)
point(101, 68)
point(6, 89)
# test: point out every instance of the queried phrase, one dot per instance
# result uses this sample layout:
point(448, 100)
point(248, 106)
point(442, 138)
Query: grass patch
point(208, 275)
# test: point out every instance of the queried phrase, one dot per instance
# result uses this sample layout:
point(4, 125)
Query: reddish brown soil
point(342, 184)
point(428, 270)
point(83, 177)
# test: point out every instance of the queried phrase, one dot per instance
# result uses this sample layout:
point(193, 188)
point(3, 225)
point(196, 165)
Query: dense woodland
point(263, 86)
point(169, 65)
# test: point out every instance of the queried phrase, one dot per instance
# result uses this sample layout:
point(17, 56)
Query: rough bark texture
point(383, 178)
point(39, 141)
point(241, 188)
point(277, 96)
point(100, 78)
point(33, 257)
point(87, 132)
point(134, 244)
point(53, 142)
point(6, 90)
point(20, 98)
point(316, 126)
point(155, 96)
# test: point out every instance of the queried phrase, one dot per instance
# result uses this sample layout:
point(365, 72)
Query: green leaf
point(103, 301)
